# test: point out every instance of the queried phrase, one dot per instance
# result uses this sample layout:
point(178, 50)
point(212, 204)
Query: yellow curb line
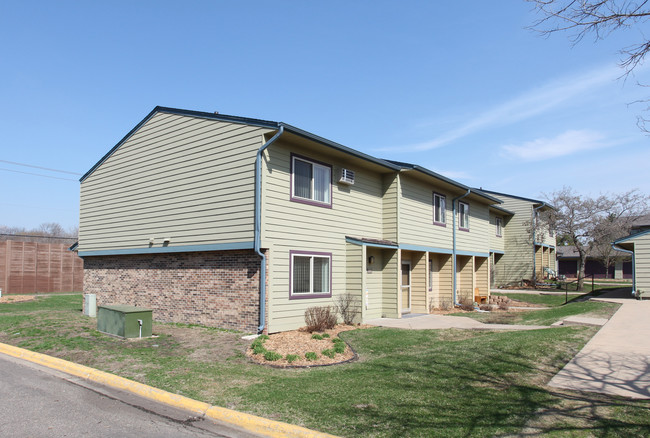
point(241, 420)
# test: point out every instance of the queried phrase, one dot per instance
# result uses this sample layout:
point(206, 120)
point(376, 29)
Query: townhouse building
point(243, 223)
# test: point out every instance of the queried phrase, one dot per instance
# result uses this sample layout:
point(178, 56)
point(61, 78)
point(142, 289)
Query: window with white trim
point(439, 205)
point(499, 226)
point(312, 181)
point(310, 274)
point(463, 216)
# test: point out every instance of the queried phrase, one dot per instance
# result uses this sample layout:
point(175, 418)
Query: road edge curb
point(248, 422)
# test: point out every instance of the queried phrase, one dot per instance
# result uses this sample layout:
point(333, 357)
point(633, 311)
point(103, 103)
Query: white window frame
point(463, 216)
point(312, 199)
point(312, 255)
point(442, 220)
point(499, 226)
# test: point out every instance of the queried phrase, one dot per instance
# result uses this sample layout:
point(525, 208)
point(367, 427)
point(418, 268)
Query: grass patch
point(542, 300)
point(443, 383)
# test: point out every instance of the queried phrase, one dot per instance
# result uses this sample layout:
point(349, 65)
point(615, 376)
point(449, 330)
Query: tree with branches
point(594, 223)
point(599, 18)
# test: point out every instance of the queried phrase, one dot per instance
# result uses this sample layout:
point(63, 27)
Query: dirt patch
point(300, 342)
point(16, 298)
point(204, 344)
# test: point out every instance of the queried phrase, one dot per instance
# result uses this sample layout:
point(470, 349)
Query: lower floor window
point(310, 274)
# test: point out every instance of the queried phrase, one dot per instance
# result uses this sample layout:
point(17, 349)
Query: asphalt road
point(38, 402)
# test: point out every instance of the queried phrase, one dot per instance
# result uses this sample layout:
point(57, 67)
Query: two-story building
point(244, 223)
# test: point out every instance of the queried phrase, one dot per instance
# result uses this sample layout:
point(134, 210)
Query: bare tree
point(599, 18)
point(594, 222)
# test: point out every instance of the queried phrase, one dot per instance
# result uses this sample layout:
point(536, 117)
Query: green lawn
point(543, 300)
point(430, 383)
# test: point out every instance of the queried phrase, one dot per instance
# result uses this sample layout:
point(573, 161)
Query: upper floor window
point(312, 182)
point(463, 216)
point(499, 226)
point(310, 274)
point(439, 202)
point(551, 232)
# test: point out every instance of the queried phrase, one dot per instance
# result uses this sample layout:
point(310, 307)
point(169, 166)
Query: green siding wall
point(185, 178)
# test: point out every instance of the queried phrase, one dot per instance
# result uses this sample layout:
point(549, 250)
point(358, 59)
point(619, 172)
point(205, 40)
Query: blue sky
point(462, 88)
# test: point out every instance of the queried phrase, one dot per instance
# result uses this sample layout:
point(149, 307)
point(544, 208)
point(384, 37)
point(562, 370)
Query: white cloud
point(525, 106)
point(564, 144)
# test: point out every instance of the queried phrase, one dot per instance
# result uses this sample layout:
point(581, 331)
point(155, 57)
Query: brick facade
point(217, 289)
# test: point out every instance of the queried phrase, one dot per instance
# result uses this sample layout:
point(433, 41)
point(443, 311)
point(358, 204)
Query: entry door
point(406, 287)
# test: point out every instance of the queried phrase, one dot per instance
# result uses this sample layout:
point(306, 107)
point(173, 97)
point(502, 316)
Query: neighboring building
point(244, 224)
point(567, 261)
point(526, 253)
point(639, 246)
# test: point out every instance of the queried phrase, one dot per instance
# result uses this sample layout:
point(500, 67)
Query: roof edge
point(537, 201)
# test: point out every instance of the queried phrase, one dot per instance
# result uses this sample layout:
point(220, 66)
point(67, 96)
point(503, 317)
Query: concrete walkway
point(616, 360)
point(429, 322)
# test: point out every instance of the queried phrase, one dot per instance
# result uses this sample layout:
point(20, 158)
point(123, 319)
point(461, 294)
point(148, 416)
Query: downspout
point(453, 212)
point(534, 249)
point(258, 226)
point(633, 266)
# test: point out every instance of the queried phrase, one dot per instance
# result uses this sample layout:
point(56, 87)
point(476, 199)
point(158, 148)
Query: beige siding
point(390, 282)
point(418, 281)
point(354, 258)
point(497, 242)
point(465, 277)
point(181, 177)
point(390, 207)
point(374, 283)
point(356, 211)
point(416, 215)
point(416, 225)
point(517, 263)
point(482, 275)
point(642, 263)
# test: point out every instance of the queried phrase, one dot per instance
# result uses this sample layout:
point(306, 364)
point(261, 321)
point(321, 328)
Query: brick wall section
point(217, 289)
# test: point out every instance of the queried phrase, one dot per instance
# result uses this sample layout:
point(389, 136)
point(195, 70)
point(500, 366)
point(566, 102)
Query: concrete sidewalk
point(429, 322)
point(616, 360)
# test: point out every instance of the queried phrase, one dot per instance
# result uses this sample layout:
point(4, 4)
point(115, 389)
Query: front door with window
point(406, 287)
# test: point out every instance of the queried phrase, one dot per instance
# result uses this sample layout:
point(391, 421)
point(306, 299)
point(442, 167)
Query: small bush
point(487, 307)
point(337, 340)
point(339, 347)
point(272, 356)
point(329, 353)
point(317, 337)
point(504, 306)
point(319, 319)
point(291, 357)
point(348, 307)
point(262, 337)
point(258, 346)
point(326, 335)
point(467, 303)
point(310, 355)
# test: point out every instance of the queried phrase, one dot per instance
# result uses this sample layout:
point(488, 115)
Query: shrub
point(310, 355)
point(272, 356)
point(466, 303)
point(258, 346)
point(319, 319)
point(326, 335)
point(339, 347)
point(263, 337)
point(337, 340)
point(329, 353)
point(291, 357)
point(487, 307)
point(347, 307)
point(504, 306)
point(317, 337)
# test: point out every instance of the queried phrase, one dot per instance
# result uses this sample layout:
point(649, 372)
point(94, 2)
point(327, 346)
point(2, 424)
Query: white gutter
point(258, 226)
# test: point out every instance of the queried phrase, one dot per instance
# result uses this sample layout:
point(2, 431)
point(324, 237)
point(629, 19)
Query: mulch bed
point(299, 342)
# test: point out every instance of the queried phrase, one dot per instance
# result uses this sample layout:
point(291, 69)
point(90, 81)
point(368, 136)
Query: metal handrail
point(567, 283)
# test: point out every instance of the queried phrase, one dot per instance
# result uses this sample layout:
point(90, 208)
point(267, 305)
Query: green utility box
point(124, 321)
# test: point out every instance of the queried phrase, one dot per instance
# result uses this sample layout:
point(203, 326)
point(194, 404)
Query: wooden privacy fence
point(30, 267)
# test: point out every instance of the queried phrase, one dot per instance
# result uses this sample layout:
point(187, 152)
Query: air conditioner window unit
point(347, 176)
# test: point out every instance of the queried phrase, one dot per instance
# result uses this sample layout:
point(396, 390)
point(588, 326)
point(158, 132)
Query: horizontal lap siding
point(517, 262)
point(416, 215)
point(390, 207)
point(356, 211)
point(185, 178)
point(642, 263)
point(496, 242)
point(476, 239)
point(374, 283)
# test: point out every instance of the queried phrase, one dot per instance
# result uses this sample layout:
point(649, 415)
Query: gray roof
point(570, 251)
